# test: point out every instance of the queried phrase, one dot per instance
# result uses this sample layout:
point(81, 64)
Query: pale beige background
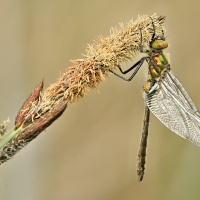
point(90, 152)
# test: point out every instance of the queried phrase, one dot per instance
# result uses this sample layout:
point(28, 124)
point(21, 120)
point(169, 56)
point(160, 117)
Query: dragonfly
point(164, 96)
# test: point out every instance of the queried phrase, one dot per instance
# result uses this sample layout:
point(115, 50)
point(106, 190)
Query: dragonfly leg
point(142, 50)
point(137, 65)
point(154, 31)
point(143, 145)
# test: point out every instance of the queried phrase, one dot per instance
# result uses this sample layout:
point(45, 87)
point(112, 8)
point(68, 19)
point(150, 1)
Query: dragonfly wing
point(172, 105)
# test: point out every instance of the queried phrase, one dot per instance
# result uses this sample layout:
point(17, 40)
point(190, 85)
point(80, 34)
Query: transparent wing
point(172, 105)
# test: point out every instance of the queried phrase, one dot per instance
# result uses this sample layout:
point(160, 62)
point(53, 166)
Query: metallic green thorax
point(158, 61)
point(158, 64)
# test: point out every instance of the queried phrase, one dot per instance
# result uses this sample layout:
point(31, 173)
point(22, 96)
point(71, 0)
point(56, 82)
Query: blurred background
point(90, 153)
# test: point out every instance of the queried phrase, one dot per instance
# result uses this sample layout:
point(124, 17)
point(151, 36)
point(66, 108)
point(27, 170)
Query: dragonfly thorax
point(158, 65)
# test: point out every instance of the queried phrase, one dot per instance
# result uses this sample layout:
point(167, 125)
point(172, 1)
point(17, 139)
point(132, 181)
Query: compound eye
point(159, 44)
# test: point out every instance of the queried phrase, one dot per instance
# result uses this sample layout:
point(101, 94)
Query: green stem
point(13, 134)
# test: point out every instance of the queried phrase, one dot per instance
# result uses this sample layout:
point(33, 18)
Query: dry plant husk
point(106, 53)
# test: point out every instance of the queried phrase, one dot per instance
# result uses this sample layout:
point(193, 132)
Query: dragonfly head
point(158, 43)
